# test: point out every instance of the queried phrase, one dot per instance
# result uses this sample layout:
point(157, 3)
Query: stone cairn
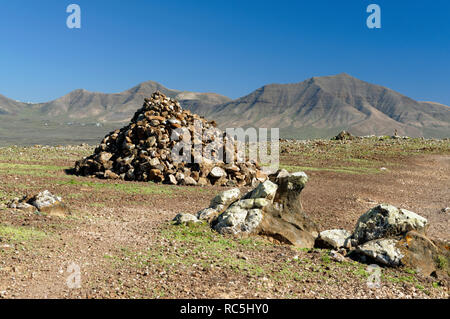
point(142, 150)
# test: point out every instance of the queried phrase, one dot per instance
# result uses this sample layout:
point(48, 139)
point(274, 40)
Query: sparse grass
point(20, 233)
point(6, 196)
point(129, 188)
point(410, 271)
point(345, 170)
point(436, 285)
point(402, 279)
point(443, 264)
point(12, 166)
point(197, 244)
point(326, 257)
point(30, 169)
point(365, 156)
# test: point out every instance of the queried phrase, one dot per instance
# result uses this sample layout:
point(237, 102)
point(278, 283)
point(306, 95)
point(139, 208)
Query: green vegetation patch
point(29, 169)
point(20, 233)
point(129, 188)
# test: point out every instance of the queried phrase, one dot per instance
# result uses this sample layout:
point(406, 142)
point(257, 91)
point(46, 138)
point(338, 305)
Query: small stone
point(189, 181)
point(336, 256)
point(172, 180)
point(207, 214)
point(217, 172)
point(185, 219)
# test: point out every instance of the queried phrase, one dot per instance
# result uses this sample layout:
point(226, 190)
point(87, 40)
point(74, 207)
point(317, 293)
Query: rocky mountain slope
point(321, 105)
point(317, 107)
point(81, 104)
point(84, 116)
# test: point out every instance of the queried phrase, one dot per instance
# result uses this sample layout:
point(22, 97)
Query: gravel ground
point(119, 233)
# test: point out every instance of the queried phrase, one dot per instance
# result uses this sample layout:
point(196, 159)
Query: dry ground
point(119, 233)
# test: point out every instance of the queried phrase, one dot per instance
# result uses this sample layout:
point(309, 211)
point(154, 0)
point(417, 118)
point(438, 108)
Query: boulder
point(271, 210)
point(241, 216)
point(16, 203)
point(334, 238)
point(412, 250)
point(419, 253)
point(44, 202)
point(217, 172)
point(383, 251)
point(387, 221)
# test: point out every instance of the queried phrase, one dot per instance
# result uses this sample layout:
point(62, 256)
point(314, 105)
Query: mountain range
point(317, 107)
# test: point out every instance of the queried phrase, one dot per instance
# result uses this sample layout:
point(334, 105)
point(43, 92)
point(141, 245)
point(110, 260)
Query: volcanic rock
point(383, 251)
point(185, 219)
point(44, 202)
point(386, 221)
point(334, 238)
point(270, 210)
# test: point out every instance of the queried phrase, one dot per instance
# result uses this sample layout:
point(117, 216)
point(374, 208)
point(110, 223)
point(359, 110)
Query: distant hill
point(8, 106)
point(84, 116)
point(120, 107)
point(321, 106)
point(317, 107)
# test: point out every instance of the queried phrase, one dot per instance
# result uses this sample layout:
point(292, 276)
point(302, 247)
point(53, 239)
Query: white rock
point(264, 190)
point(217, 172)
point(231, 220)
point(252, 221)
point(386, 221)
point(225, 198)
point(189, 181)
point(336, 238)
point(383, 251)
point(45, 199)
point(185, 218)
point(297, 180)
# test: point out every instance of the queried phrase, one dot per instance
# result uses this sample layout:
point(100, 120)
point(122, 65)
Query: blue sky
point(230, 47)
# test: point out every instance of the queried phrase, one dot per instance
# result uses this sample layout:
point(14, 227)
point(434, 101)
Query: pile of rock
point(273, 209)
point(143, 150)
point(44, 202)
point(389, 236)
point(343, 135)
point(385, 234)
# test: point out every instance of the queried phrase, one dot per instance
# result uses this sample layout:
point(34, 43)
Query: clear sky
point(231, 47)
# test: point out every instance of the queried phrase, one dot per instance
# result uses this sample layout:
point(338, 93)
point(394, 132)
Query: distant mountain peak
point(331, 103)
point(317, 107)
